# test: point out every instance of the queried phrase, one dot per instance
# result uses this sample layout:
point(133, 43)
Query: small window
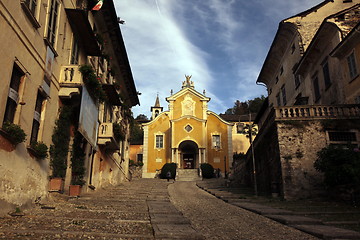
point(139, 158)
point(316, 88)
point(278, 99)
point(52, 22)
point(293, 48)
point(297, 81)
point(283, 93)
point(342, 138)
point(188, 128)
point(281, 70)
point(74, 60)
point(37, 116)
point(326, 72)
point(13, 97)
point(29, 7)
point(159, 141)
point(353, 71)
point(277, 79)
point(216, 141)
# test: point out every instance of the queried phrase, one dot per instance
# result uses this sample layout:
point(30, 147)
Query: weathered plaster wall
point(23, 179)
point(299, 142)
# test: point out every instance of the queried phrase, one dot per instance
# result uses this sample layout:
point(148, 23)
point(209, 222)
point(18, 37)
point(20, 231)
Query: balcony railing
point(106, 136)
point(317, 112)
point(70, 76)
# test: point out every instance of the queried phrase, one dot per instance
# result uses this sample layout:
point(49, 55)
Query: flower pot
point(56, 185)
point(74, 190)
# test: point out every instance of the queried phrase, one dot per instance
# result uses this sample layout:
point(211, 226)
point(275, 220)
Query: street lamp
point(250, 130)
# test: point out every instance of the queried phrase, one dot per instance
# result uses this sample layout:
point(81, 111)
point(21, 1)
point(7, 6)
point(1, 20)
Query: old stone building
point(58, 55)
point(312, 76)
point(188, 134)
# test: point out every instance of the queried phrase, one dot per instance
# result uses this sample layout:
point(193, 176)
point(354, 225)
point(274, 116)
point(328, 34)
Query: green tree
point(250, 106)
point(136, 133)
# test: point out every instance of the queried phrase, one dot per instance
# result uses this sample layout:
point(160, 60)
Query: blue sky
point(221, 43)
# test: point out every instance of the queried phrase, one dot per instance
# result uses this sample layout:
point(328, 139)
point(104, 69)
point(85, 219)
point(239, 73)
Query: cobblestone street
point(143, 209)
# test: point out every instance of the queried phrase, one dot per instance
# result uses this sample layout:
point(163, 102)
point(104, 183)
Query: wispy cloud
point(222, 43)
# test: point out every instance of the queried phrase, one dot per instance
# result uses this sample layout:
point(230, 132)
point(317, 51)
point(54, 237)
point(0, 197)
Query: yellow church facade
point(188, 134)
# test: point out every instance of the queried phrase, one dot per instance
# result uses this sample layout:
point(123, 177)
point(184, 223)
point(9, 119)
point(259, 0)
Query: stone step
point(187, 175)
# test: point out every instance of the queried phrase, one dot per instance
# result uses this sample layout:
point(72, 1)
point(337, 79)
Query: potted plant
point(38, 150)
point(77, 165)
point(59, 149)
point(13, 133)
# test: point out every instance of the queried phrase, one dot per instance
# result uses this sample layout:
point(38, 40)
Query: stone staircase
point(187, 175)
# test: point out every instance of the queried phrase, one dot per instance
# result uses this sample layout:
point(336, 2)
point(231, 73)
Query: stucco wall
point(23, 179)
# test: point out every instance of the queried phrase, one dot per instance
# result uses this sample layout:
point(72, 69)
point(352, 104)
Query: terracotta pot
point(56, 185)
point(74, 190)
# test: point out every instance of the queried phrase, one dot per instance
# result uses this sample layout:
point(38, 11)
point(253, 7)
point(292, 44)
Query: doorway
point(189, 151)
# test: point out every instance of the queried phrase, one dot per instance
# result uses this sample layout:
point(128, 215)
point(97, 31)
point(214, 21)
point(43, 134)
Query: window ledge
point(30, 15)
point(47, 43)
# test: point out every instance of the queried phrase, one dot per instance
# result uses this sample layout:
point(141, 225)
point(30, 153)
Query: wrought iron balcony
point(106, 137)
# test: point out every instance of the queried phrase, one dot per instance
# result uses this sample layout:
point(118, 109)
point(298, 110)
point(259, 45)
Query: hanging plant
point(77, 161)
point(60, 147)
point(14, 132)
point(118, 132)
point(92, 83)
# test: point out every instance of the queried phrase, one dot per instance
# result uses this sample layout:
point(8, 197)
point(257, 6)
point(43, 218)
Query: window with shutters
point(316, 88)
point(37, 117)
point(353, 71)
point(216, 141)
point(326, 73)
point(13, 96)
point(52, 22)
point(159, 141)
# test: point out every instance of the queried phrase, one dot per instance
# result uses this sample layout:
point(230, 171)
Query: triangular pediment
point(190, 91)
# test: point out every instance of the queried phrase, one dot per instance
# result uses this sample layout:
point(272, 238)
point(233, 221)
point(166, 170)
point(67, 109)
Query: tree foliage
point(250, 106)
point(341, 166)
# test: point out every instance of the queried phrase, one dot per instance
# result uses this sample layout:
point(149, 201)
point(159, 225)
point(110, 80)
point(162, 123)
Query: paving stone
point(175, 231)
point(328, 232)
point(294, 220)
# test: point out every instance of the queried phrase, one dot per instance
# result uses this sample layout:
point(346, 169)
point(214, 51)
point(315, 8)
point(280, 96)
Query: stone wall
point(299, 142)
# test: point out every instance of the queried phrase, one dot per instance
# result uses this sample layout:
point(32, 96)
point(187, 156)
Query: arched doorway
point(188, 150)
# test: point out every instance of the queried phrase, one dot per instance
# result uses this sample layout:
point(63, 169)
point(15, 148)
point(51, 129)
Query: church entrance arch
point(189, 154)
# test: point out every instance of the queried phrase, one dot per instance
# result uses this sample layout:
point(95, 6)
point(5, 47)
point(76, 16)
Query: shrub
point(77, 161)
point(341, 166)
point(207, 170)
point(60, 147)
point(40, 148)
point(168, 167)
point(15, 132)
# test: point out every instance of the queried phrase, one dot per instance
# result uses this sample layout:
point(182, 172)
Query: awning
point(80, 24)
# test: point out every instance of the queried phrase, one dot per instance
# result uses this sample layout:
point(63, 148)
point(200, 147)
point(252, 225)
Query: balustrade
point(318, 111)
point(70, 75)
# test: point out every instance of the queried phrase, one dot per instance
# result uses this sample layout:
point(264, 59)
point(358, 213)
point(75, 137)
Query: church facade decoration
point(187, 134)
